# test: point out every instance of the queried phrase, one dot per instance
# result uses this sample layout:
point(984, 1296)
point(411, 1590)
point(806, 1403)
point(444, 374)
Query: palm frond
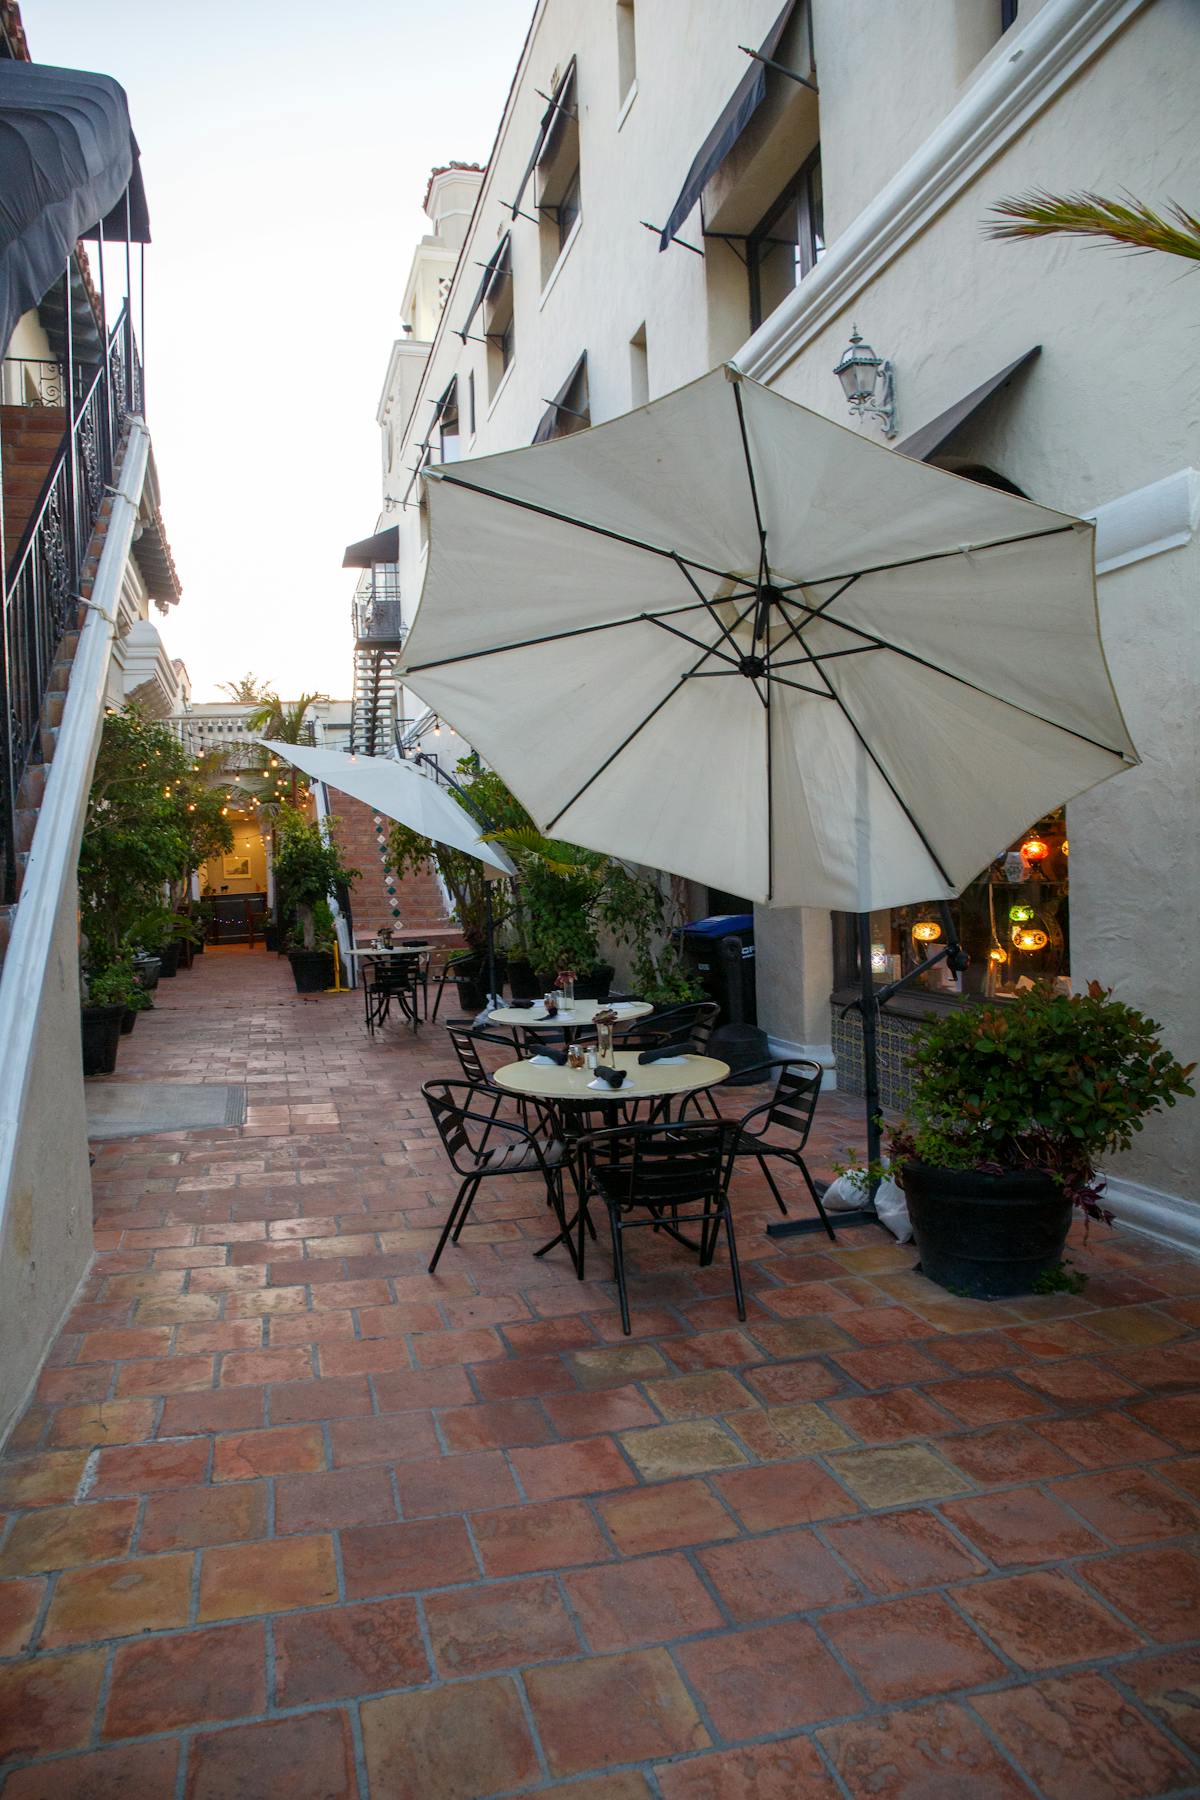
point(525, 840)
point(1130, 223)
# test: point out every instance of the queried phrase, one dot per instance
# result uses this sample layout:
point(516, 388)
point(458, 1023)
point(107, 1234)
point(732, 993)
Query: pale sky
point(285, 149)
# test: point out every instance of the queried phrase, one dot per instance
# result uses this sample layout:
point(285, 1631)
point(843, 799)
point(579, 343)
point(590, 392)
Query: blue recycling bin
point(718, 971)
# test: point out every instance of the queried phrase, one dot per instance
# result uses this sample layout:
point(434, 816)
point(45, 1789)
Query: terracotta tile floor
point(290, 1518)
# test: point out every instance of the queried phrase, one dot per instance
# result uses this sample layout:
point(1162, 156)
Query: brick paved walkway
point(290, 1518)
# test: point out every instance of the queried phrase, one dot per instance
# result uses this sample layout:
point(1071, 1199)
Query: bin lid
point(720, 925)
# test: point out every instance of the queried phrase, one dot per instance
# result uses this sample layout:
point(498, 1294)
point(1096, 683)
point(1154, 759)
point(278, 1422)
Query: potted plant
point(139, 1001)
point(308, 867)
point(109, 993)
point(270, 931)
point(1014, 1107)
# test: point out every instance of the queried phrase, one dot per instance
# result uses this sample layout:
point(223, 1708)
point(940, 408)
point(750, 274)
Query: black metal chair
point(675, 1174)
point(467, 1117)
point(779, 1127)
point(392, 979)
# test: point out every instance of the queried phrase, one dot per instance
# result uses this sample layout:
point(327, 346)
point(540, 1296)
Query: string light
point(437, 728)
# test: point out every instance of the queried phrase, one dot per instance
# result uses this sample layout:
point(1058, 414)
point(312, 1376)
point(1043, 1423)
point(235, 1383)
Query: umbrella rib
point(795, 630)
point(547, 512)
point(798, 685)
point(923, 662)
point(891, 786)
point(713, 614)
point(610, 759)
point(595, 776)
point(758, 518)
point(820, 656)
point(708, 649)
point(550, 637)
point(910, 562)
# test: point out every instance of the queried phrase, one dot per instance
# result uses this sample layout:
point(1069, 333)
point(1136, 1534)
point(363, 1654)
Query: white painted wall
point(926, 118)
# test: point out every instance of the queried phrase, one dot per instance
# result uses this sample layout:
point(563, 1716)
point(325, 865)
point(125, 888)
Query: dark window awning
point(577, 379)
point(744, 102)
point(551, 124)
point(496, 268)
point(67, 157)
point(384, 547)
point(928, 441)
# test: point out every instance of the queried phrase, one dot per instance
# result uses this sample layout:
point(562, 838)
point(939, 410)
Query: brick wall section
point(421, 903)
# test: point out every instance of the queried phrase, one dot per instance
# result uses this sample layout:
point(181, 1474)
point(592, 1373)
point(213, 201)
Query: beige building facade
point(856, 194)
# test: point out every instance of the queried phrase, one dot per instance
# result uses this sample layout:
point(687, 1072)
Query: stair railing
point(40, 591)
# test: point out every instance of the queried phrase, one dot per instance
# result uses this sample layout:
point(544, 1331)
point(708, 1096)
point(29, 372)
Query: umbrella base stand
point(789, 1228)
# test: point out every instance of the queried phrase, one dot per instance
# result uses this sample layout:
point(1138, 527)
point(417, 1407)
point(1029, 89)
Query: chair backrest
point(795, 1099)
point(398, 974)
point(663, 1165)
point(679, 1024)
point(449, 1103)
point(469, 1060)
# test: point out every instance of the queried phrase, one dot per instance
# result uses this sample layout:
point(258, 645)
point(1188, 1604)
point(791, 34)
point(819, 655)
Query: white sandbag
point(849, 1192)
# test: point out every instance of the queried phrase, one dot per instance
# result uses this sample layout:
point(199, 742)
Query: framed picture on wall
point(235, 868)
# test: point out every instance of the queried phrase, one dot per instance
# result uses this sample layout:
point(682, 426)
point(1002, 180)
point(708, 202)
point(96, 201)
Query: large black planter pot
point(986, 1236)
point(128, 1020)
point(522, 979)
point(270, 937)
point(168, 958)
point(470, 978)
point(187, 951)
point(149, 968)
point(312, 970)
point(101, 1032)
point(198, 947)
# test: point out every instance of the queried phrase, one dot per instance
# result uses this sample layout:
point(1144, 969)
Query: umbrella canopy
point(399, 792)
point(728, 637)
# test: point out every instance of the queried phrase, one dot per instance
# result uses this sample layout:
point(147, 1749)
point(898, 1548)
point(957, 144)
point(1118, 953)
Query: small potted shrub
point(309, 867)
point(109, 994)
point(1014, 1106)
point(270, 931)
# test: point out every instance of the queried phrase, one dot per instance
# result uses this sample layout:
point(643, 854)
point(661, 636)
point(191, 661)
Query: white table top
point(365, 950)
point(582, 1013)
point(647, 1081)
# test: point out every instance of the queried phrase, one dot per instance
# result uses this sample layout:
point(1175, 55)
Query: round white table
point(644, 1081)
point(582, 1013)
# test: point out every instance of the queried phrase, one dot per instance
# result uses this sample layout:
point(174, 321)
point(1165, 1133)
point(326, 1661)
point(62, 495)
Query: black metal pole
point(870, 1040)
point(491, 941)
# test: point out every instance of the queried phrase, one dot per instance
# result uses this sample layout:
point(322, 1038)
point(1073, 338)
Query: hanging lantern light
point(437, 728)
point(881, 962)
point(1021, 914)
point(1066, 848)
point(1030, 937)
point(1035, 849)
point(997, 954)
point(927, 931)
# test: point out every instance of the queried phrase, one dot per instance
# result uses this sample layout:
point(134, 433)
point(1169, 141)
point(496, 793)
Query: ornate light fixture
point(862, 375)
point(1030, 937)
point(1035, 849)
point(1020, 915)
point(927, 931)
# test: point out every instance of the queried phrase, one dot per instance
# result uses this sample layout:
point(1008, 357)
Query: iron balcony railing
point(41, 586)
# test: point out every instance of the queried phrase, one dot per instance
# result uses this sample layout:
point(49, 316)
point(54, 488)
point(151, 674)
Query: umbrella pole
point(491, 942)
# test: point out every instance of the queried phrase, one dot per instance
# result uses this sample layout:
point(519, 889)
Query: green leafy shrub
point(115, 985)
point(1048, 1081)
point(308, 868)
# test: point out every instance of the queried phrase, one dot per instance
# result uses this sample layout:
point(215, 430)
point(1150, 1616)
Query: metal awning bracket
point(780, 68)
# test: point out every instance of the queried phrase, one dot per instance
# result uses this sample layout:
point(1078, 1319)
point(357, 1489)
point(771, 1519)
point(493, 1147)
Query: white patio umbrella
point(725, 636)
point(399, 792)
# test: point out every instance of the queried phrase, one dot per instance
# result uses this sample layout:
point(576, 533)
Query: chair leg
point(770, 1179)
point(734, 1265)
point(816, 1198)
point(467, 1205)
point(472, 1182)
point(619, 1268)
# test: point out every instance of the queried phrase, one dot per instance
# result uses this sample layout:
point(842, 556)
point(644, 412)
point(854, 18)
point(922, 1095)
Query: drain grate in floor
point(134, 1108)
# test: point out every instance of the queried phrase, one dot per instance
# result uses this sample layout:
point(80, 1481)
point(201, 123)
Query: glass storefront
point(1014, 922)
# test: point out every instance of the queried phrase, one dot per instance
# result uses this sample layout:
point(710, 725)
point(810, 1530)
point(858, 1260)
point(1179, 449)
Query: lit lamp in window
point(863, 375)
point(997, 954)
point(1035, 849)
point(1030, 937)
point(926, 931)
point(1020, 915)
point(881, 962)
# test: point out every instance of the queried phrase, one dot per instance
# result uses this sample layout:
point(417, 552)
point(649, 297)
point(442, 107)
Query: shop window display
point(1014, 922)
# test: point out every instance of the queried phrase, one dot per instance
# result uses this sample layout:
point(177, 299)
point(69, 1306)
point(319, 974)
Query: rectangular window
point(626, 50)
point(471, 402)
point(639, 368)
point(498, 320)
point(448, 439)
point(787, 243)
point(570, 410)
point(558, 188)
point(1013, 922)
point(1008, 14)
